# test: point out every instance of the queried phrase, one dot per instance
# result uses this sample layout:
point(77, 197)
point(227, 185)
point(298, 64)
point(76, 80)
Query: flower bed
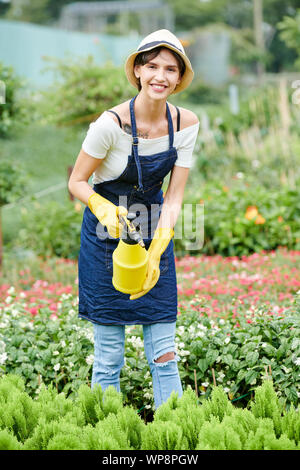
point(238, 322)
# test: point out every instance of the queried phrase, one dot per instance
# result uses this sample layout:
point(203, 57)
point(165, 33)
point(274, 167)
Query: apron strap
point(135, 139)
point(135, 142)
point(170, 126)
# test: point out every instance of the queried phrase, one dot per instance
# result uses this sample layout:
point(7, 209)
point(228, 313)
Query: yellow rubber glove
point(107, 213)
point(159, 243)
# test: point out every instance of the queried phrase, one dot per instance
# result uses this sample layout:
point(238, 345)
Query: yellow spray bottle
point(130, 259)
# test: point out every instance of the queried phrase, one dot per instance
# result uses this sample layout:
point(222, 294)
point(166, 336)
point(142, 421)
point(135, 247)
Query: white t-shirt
point(106, 140)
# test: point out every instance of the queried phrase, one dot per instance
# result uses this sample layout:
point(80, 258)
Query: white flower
point(220, 377)
point(11, 290)
point(72, 311)
point(227, 340)
point(255, 163)
point(90, 359)
point(89, 335)
point(147, 395)
point(136, 341)
point(226, 389)
point(22, 295)
point(240, 175)
point(57, 367)
point(222, 321)
point(184, 353)
point(63, 344)
point(205, 384)
point(202, 327)
point(297, 361)
point(200, 334)
point(181, 345)
point(65, 296)
point(8, 299)
point(3, 358)
point(71, 364)
point(55, 353)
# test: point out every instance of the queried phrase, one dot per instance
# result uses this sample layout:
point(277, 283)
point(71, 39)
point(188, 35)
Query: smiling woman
point(172, 65)
point(130, 149)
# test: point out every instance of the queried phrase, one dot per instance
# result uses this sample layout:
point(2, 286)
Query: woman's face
point(160, 76)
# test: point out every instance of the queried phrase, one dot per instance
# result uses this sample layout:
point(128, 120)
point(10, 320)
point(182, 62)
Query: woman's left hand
point(152, 277)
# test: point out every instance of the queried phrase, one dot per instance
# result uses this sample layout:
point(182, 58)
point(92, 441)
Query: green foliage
point(34, 12)
point(8, 441)
point(241, 351)
point(163, 436)
point(228, 230)
point(290, 33)
point(13, 110)
point(267, 405)
point(18, 411)
point(84, 90)
point(12, 182)
point(200, 92)
point(56, 229)
point(231, 229)
point(185, 413)
point(51, 351)
point(217, 425)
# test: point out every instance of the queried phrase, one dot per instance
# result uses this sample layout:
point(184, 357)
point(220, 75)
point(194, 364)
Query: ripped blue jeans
point(159, 339)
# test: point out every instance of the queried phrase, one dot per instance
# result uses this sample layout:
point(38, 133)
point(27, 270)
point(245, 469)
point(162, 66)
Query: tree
point(34, 11)
point(290, 33)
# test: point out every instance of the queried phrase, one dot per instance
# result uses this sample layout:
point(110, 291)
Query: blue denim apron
point(137, 188)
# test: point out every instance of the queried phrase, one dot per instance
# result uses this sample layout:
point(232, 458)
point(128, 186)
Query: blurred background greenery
point(246, 160)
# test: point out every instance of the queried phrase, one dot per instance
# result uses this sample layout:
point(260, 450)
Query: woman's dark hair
point(144, 57)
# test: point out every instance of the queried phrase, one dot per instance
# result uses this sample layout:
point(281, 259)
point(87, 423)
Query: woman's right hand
point(108, 214)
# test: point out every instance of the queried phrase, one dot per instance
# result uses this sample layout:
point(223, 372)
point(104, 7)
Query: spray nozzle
point(130, 233)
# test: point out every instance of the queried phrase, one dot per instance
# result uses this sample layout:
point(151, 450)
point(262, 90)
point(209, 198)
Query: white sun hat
point(159, 38)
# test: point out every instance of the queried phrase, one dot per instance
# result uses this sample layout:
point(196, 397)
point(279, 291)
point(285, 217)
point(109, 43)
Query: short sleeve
point(100, 137)
point(186, 146)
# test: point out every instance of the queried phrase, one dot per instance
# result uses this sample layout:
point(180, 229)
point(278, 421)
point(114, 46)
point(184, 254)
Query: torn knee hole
point(169, 356)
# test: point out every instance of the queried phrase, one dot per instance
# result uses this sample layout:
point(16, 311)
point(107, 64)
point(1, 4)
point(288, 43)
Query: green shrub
point(56, 229)
point(289, 33)
point(84, 90)
point(230, 229)
point(12, 182)
point(18, 411)
point(13, 109)
point(220, 426)
point(200, 92)
point(8, 441)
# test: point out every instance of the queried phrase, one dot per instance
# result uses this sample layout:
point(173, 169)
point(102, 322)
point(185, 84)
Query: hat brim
point(185, 80)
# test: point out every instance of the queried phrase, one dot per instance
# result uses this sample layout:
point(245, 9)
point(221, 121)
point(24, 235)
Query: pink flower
point(33, 310)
